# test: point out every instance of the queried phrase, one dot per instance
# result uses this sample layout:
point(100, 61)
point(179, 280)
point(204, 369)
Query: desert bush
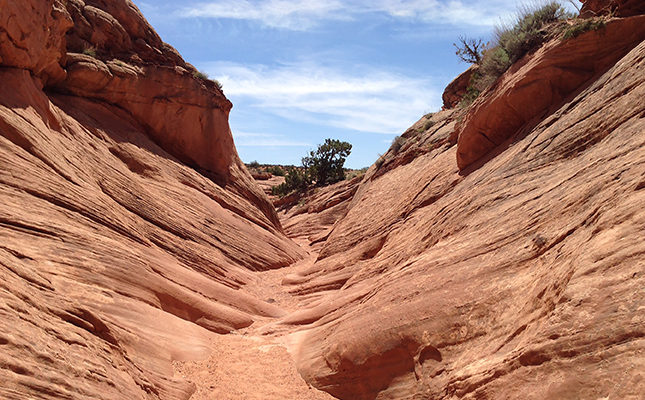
point(583, 26)
point(379, 161)
point(351, 174)
point(528, 31)
point(275, 170)
point(471, 94)
point(325, 164)
point(90, 51)
point(254, 164)
point(204, 76)
point(295, 179)
point(428, 124)
point(511, 43)
point(469, 50)
point(397, 143)
point(200, 75)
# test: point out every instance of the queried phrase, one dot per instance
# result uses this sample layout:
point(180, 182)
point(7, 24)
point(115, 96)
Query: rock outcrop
point(116, 257)
point(312, 216)
point(519, 280)
point(456, 90)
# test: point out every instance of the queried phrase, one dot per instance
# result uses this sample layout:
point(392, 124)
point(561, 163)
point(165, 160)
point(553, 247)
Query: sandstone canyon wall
point(128, 223)
point(498, 254)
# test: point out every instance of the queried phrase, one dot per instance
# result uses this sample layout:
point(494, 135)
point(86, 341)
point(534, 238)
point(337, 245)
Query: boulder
point(454, 92)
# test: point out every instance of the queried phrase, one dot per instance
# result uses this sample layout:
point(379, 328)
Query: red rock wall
point(115, 257)
point(519, 280)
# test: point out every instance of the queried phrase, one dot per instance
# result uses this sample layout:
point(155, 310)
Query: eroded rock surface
point(116, 258)
point(456, 90)
point(522, 279)
point(125, 245)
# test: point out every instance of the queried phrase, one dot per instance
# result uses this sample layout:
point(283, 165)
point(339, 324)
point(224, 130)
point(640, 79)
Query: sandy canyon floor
point(254, 363)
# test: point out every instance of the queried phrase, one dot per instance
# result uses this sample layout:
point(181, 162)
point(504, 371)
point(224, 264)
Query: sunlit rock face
point(131, 235)
point(518, 276)
point(128, 223)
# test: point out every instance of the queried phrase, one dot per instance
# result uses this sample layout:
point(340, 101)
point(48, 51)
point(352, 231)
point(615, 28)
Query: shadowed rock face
point(115, 257)
point(522, 279)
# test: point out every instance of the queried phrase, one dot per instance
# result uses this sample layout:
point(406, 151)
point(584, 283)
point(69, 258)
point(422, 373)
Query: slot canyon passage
point(497, 253)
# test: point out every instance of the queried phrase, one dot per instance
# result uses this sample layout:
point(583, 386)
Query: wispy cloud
point(362, 99)
point(294, 15)
point(305, 14)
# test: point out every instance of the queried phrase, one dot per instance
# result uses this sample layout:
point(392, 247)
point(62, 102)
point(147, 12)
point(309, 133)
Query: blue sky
point(298, 72)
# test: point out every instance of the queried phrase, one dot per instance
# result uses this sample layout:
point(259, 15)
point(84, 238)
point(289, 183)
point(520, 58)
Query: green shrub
point(528, 31)
point(582, 27)
point(379, 161)
point(218, 84)
point(275, 170)
point(254, 164)
point(397, 143)
point(294, 180)
point(325, 165)
point(428, 124)
point(200, 75)
point(496, 61)
point(467, 99)
point(351, 174)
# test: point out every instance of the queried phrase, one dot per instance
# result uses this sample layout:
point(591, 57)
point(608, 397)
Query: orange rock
point(115, 257)
point(311, 216)
point(520, 280)
point(38, 50)
point(457, 88)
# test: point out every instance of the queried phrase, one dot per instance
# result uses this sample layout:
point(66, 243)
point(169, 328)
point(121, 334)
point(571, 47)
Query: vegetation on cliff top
point(510, 43)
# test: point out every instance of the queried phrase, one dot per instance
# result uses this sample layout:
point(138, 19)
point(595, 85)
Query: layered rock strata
point(128, 224)
point(519, 279)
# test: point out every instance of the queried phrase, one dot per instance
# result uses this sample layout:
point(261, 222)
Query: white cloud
point(305, 14)
point(294, 15)
point(363, 99)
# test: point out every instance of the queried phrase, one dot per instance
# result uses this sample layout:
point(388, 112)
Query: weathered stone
point(456, 90)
